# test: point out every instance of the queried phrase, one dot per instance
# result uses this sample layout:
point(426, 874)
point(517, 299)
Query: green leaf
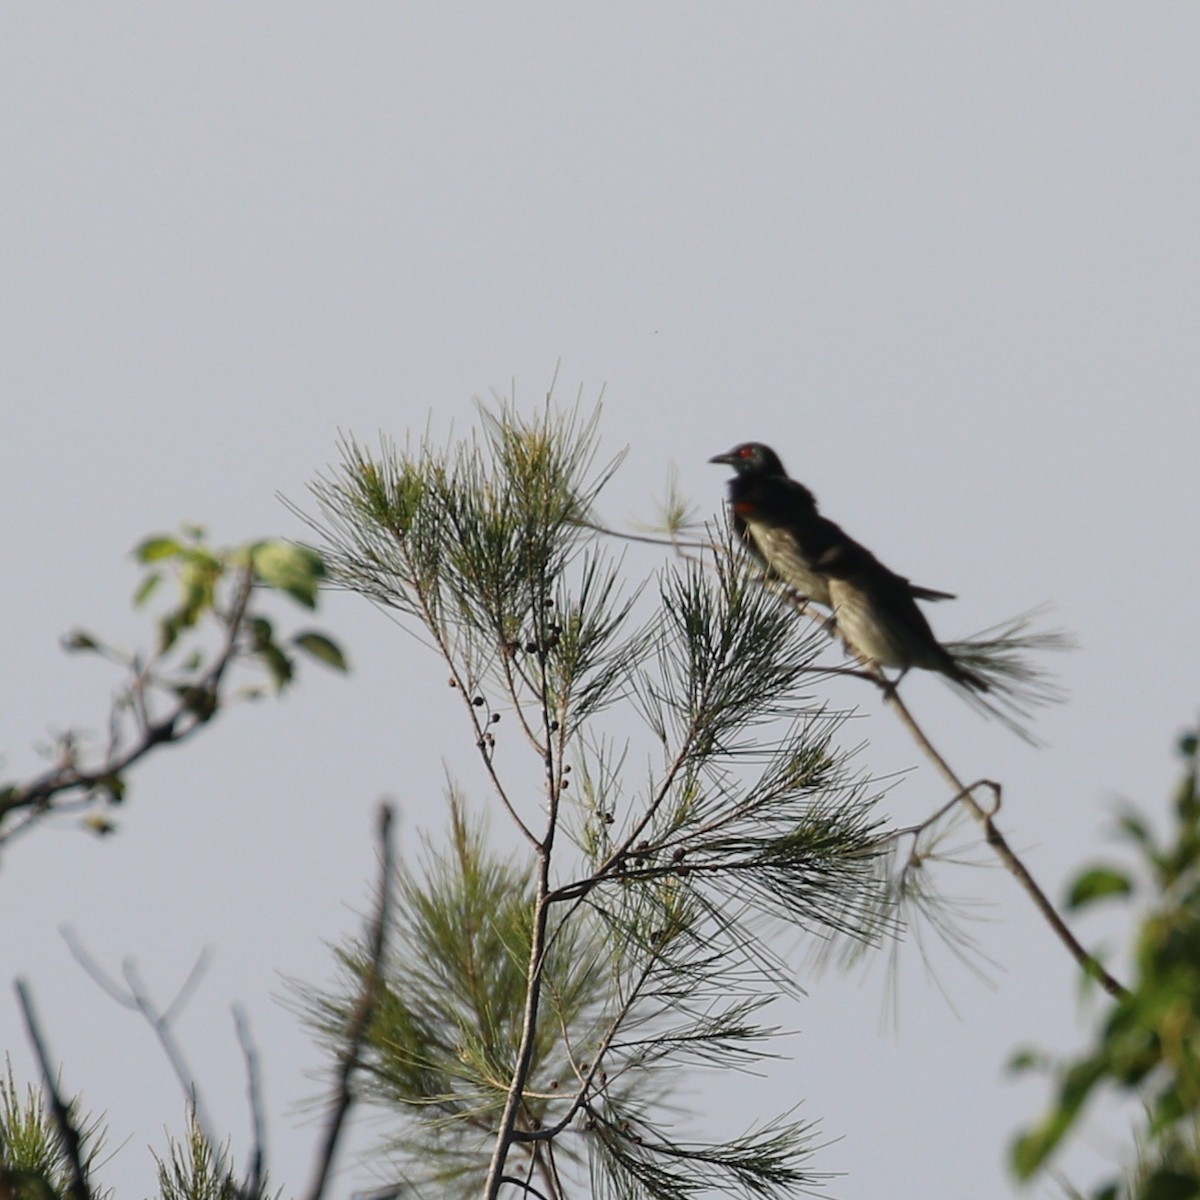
point(262, 632)
point(278, 664)
point(197, 582)
point(146, 589)
point(1031, 1150)
point(152, 549)
point(1135, 829)
point(1027, 1059)
point(295, 570)
point(321, 648)
point(168, 633)
point(113, 786)
point(79, 640)
point(1169, 1184)
point(1097, 884)
point(201, 701)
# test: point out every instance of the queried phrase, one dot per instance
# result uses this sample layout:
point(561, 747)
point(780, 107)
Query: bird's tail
point(997, 675)
point(964, 676)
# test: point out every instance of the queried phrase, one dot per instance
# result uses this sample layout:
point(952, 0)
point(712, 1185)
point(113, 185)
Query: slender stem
point(434, 625)
point(60, 1109)
point(994, 838)
point(671, 543)
point(252, 1188)
point(1005, 852)
point(136, 996)
point(362, 1013)
point(505, 1135)
point(595, 1068)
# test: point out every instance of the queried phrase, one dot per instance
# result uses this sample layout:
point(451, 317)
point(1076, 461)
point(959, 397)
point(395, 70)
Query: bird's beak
point(726, 458)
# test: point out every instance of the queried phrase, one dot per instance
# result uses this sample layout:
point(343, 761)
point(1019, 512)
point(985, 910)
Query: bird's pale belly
point(863, 630)
point(782, 555)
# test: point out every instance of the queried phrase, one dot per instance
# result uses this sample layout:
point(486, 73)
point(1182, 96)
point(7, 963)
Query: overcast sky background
point(945, 258)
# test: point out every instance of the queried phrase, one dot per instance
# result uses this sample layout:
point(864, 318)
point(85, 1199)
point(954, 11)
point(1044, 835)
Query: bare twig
point(135, 996)
point(915, 831)
point(463, 687)
point(595, 1069)
point(364, 1009)
point(252, 1188)
point(524, 1185)
point(68, 1131)
point(195, 975)
point(671, 543)
point(997, 841)
point(544, 1155)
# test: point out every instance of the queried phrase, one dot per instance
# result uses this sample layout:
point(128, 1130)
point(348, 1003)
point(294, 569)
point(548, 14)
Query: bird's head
point(751, 458)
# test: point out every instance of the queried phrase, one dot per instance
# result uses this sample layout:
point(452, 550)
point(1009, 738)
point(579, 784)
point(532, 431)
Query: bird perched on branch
point(875, 609)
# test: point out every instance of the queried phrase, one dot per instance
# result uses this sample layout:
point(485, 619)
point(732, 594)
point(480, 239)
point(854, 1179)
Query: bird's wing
point(839, 555)
point(852, 563)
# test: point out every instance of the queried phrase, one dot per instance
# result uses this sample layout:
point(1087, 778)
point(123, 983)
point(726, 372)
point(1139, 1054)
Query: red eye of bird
point(746, 452)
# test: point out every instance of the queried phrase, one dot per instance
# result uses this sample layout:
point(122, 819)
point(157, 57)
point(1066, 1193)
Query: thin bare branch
point(1011, 860)
point(60, 1109)
point(914, 831)
point(136, 996)
point(190, 984)
point(670, 543)
point(525, 1186)
point(364, 1010)
point(252, 1188)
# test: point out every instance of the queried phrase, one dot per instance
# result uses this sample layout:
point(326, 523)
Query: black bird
point(875, 609)
point(777, 519)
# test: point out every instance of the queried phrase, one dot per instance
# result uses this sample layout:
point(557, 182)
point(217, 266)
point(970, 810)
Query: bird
point(777, 519)
point(874, 608)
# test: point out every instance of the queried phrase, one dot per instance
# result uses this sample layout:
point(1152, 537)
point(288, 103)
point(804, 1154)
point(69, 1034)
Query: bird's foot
point(889, 686)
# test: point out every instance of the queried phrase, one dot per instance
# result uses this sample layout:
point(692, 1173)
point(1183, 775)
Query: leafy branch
point(1146, 1047)
point(179, 687)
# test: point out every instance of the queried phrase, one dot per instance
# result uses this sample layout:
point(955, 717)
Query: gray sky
point(945, 258)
